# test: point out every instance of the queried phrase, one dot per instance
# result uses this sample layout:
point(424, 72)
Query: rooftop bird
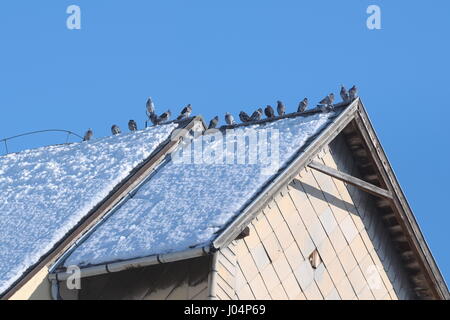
point(281, 108)
point(353, 93)
point(269, 112)
point(328, 100)
point(344, 94)
point(132, 125)
point(153, 118)
point(256, 116)
point(229, 119)
point(302, 105)
point(244, 117)
point(150, 106)
point(88, 135)
point(115, 130)
point(213, 123)
point(185, 113)
point(164, 117)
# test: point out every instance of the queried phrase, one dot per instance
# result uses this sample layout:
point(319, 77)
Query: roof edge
point(405, 214)
point(355, 112)
point(118, 266)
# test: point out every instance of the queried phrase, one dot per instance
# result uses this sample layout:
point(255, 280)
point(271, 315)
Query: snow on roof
point(45, 192)
point(185, 205)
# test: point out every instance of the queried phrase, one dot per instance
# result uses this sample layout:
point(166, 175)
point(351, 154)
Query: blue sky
point(237, 55)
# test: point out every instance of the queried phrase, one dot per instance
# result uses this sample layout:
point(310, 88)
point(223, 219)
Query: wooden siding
point(315, 212)
point(183, 280)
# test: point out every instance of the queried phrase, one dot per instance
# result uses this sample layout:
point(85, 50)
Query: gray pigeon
point(328, 100)
point(229, 119)
point(244, 117)
point(153, 118)
point(115, 130)
point(164, 117)
point(281, 108)
point(269, 112)
point(257, 115)
point(132, 125)
point(150, 107)
point(302, 105)
point(344, 94)
point(185, 113)
point(88, 135)
point(213, 123)
point(353, 93)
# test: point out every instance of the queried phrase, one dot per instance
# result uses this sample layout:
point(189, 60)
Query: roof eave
point(355, 112)
point(404, 212)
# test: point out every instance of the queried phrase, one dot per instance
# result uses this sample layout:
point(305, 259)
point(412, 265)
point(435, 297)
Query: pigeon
point(115, 130)
point(153, 118)
point(164, 117)
point(213, 123)
point(353, 93)
point(256, 116)
point(269, 112)
point(132, 125)
point(302, 105)
point(244, 117)
point(88, 135)
point(281, 108)
point(150, 106)
point(229, 119)
point(328, 100)
point(185, 113)
point(344, 94)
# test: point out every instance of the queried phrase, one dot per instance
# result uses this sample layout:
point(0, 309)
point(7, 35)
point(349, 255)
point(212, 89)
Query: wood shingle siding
point(315, 212)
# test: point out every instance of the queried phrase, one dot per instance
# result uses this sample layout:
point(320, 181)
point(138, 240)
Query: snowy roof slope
point(185, 205)
point(45, 192)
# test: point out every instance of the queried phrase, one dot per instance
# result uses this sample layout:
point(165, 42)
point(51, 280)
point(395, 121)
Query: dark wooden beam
point(361, 184)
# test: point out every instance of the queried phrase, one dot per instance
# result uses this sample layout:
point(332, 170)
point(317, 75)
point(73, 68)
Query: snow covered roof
point(186, 205)
point(45, 192)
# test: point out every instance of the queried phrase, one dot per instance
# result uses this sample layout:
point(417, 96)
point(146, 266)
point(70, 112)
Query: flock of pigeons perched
point(325, 104)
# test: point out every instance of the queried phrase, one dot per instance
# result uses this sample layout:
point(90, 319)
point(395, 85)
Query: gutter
point(132, 264)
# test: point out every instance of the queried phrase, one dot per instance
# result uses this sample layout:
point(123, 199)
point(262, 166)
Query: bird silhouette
point(150, 106)
point(213, 123)
point(164, 117)
point(185, 113)
point(153, 118)
point(302, 105)
point(353, 93)
point(281, 109)
point(256, 116)
point(132, 125)
point(269, 112)
point(344, 94)
point(229, 119)
point(328, 100)
point(115, 130)
point(88, 135)
point(244, 117)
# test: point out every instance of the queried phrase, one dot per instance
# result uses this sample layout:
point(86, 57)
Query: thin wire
point(69, 133)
